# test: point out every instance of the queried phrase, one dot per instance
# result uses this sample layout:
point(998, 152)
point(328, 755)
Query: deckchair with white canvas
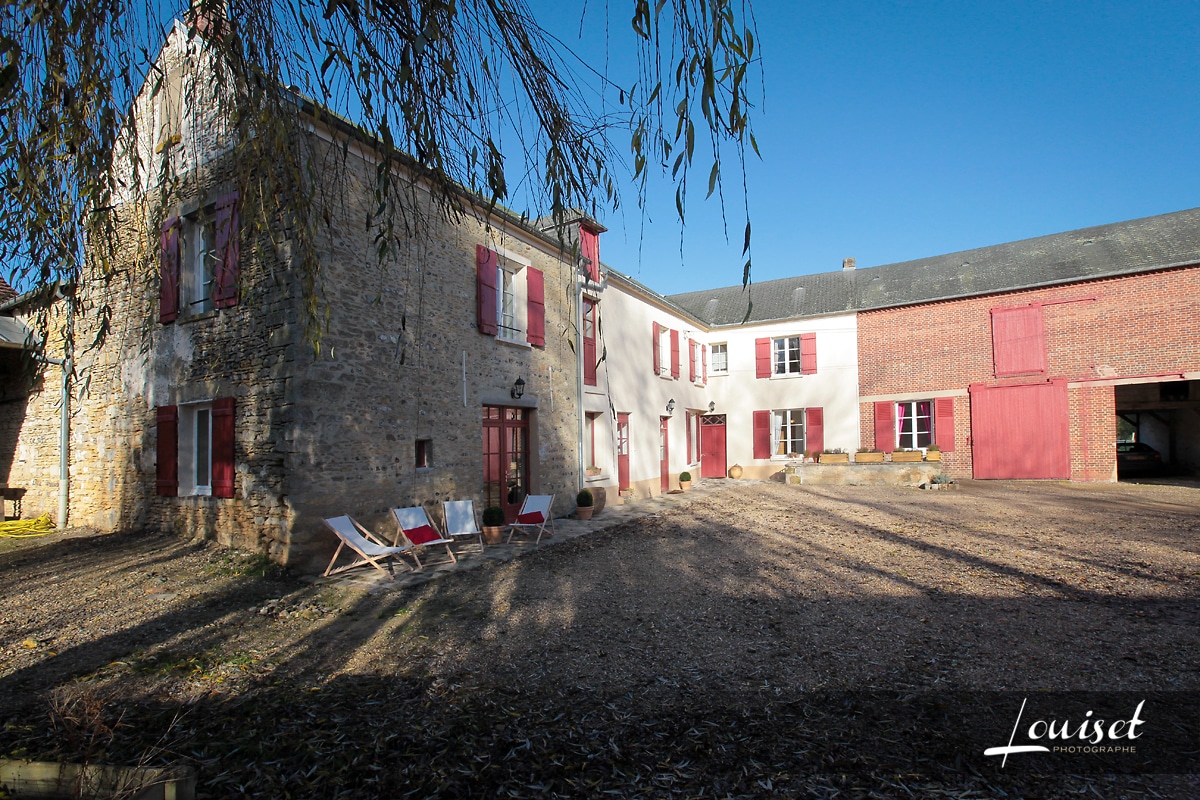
point(460, 520)
point(535, 513)
point(369, 549)
point(417, 530)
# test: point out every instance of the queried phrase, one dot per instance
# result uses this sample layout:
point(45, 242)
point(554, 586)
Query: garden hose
point(27, 528)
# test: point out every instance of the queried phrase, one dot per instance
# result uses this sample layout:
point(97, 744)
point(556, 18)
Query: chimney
point(847, 263)
point(209, 18)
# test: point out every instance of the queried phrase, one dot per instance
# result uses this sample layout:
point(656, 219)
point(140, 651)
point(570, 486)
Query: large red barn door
point(1021, 432)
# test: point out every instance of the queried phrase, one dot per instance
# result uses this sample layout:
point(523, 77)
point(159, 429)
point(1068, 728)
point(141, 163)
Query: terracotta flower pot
point(493, 534)
point(583, 512)
point(735, 471)
point(685, 485)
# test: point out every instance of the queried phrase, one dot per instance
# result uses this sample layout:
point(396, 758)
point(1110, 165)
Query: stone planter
point(583, 512)
point(907, 457)
point(868, 458)
point(493, 534)
point(835, 458)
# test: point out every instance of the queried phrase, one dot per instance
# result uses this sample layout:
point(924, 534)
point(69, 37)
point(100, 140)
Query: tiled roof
point(1121, 248)
point(6, 292)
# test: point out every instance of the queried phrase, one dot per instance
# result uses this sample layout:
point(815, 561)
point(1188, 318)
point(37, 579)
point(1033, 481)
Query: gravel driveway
point(765, 640)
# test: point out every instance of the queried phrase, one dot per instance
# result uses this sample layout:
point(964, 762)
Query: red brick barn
point(1019, 360)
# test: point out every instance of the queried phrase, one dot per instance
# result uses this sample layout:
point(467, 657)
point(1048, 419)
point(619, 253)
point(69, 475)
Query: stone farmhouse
point(497, 357)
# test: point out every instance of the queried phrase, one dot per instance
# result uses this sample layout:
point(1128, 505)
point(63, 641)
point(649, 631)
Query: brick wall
point(1138, 325)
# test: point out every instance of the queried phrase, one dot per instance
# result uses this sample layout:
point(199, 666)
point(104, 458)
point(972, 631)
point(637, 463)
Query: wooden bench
point(10, 494)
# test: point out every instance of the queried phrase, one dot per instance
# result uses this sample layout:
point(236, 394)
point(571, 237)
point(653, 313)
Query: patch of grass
point(248, 565)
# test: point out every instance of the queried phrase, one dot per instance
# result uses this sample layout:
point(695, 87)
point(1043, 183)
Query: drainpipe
point(64, 435)
point(579, 379)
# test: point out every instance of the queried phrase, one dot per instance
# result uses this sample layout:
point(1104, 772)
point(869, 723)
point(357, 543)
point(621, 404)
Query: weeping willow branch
point(456, 95)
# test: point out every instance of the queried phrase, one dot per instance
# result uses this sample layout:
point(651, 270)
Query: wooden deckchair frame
point(369, 548)
point(533, 504)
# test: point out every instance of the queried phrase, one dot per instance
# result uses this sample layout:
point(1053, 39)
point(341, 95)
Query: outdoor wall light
point(518, 389)
point(712, 406)
point(671, 406)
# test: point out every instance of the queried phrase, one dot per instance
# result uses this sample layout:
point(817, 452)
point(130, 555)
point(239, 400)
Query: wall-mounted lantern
point(518, 389)
point(712, 406)
point(671, 406)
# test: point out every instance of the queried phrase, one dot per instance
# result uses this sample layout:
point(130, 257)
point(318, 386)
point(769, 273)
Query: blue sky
point(897, 130)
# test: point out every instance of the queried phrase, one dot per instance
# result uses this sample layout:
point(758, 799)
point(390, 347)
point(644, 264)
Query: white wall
point(626, 380)
point(833, 388)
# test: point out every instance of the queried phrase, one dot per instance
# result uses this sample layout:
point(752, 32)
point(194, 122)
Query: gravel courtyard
point(762, 641)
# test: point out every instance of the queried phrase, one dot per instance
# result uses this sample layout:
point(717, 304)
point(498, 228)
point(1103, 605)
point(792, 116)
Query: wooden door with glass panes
point(505, 458)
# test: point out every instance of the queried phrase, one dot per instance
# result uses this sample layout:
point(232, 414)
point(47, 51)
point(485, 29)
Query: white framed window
point(720, 359)
point(692, 420)
point(787, 432)
point(195, 449)
point(510, 300)
point(593, 435)
point(914, 424)
point(785, 355)
point(198, 247)
point(664, 352)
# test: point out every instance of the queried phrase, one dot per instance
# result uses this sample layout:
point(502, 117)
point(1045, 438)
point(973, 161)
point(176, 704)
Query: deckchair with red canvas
point(361, 541)
point(535, 514)
point(417, 530)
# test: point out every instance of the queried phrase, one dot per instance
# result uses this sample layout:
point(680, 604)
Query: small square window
point(424, 453)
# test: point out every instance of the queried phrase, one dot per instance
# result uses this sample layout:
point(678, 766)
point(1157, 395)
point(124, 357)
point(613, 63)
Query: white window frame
point(791, 363)
point(198, 248)
point(195, 441)
point(512, 287)
point(698, 362)
point(916, 434)
point(713, 369)
point(693, 425)
point(664, 352)
point(786, 419)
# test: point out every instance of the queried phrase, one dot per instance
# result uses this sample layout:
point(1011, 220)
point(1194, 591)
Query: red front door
point(664, 455)
point(505, 458)
point(712, 446)
point(622, 451)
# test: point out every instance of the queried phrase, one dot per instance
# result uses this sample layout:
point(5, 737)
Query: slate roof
point(1121, 248)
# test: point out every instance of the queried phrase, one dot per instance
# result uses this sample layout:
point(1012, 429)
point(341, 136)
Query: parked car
point(1137, 458)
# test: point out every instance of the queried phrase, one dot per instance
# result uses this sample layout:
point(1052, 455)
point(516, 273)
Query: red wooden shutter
point(692, 360)
point(535, 289)
point(1018, 341)
point(762, 358)
point(704, 361)
point(814, 429)
point(589, 341)
point(589, 248)
point(168, 286)
point(885, 427)
point(486, 263)
point(943, 423)
point(762, 434)
point(808, 354)
point(168, 450)
point(222, 447)
point(654, 345)
point(675, 354)
point(225, 287)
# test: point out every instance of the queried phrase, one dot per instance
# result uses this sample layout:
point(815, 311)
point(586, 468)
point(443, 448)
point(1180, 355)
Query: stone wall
point(402, 359)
